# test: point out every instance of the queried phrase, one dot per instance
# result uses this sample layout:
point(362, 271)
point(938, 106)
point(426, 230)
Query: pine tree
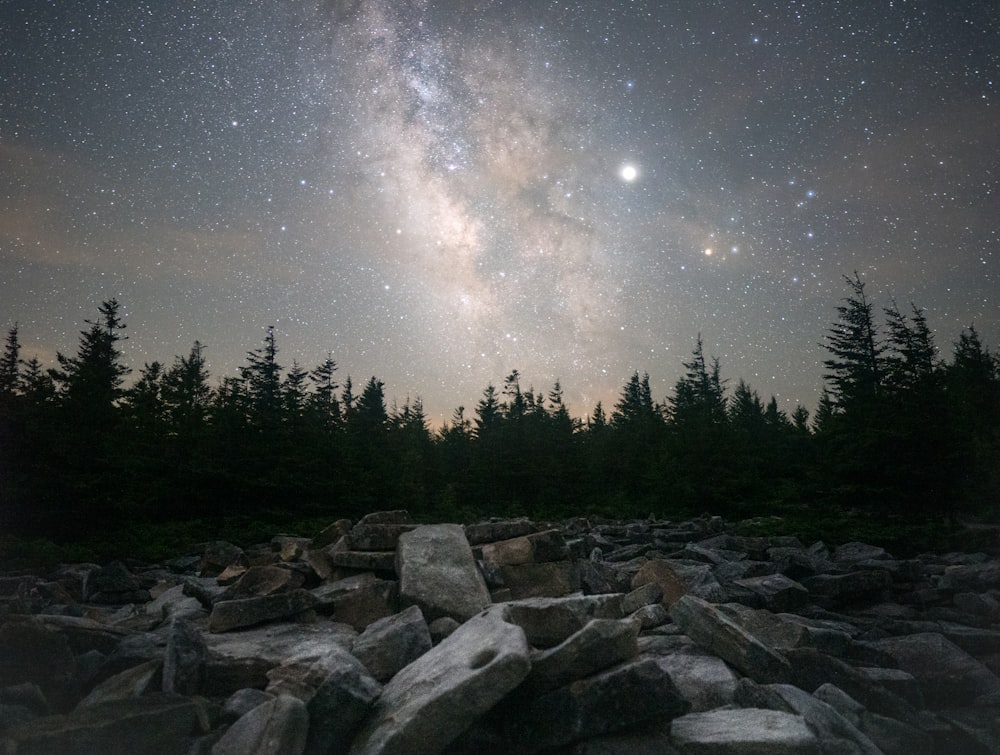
point(856, 364)
point(10, 364)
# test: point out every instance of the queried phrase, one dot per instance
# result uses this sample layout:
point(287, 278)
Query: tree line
point(898, 429)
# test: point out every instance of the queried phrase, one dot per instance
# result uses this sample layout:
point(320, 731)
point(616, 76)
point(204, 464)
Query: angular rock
point(389, 644)
point(258, 581)
point(438, 573)
point(183, 658)
point(948, 676)
point(892, 735)
point(701, 678)
point(856, 586)
point(852, 553)
point(743, 731)
point(115, 584)
point(358, 600)
point(151, 724)
point(336, 690)
point(551, 579)
point(676, 579)
point(837, 733)
point(290, 547)
point(537, 547)
point(650, 617)
point(972, 577)
point(601, 643)
point(33, 652)
point(717, 633)
point(218, 555)
point(174, 602)
point(617, 698)
point(234, 614)
point(434, 699)
point(549, 621)
point(377, 537)
point(242, 701)
point(646, 595)
point(776, 591)
point(395, 516)
point(277, 727)
point(126, 685)
point(242, 659)
point(491, 532)
point(379, 561)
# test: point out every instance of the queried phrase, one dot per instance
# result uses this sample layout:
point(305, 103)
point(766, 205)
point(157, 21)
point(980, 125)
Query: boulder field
point(388, 636)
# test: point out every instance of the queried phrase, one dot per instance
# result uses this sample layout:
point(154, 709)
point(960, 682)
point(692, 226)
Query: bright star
point(629, 173)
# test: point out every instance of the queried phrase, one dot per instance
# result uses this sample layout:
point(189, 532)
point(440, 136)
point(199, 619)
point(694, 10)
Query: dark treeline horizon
point(900, 428)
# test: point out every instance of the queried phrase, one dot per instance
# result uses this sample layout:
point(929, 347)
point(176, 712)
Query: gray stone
point(650, 617)
point(173, 602)
point(701, 678)
point(537, 547)
point(617, 698)
point(550, 579)
point(743, 731)
point(242, 701)
point(358, 600)
point(894, 736)
point(217, 556)
point(379, 561)
point(853, 587)
point(33, 652)
point(645, 595)
point(599, 644)
point(234, 614)
point(948, 676)
point(441, 628)
point(852, 553)
point(276, 727)
point(491, 532)
point(717, 633)
point(336, 689)
point(549, 621)
point(972, 577)
point(290, 547)
point(434, 699)
point(183, 658)
point(126, 685)
point(377, 537)
point(838, 735)
point(676, 579)
point(242, 659)
point(389, 644)
point(776, 591)
point(151, 724)
point(258, 581)
point(438, 573)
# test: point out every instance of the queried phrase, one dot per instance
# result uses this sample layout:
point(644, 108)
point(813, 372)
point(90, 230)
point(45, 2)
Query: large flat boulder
point(617, 698)
point(246, 612)
point(337, 692)
point(438, 573)
point(391, 643)
point(948, 676)
point(743, 731)
point(432, 701)
point(719, 634)
point(549, 621)
point(600, 644)
point(276, 727)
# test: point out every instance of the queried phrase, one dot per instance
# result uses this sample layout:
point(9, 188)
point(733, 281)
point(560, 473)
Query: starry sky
point(440, 192)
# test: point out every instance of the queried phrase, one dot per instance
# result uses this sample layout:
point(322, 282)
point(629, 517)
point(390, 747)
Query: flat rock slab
point(743, 731)
point(600, 644)
point(150, 724)
point(549, 621)
point(277, 727)
point(433, 700)
point(234, 614)
point(948, 676)
point(617, 698)
point(438, 573)
point(719, 634)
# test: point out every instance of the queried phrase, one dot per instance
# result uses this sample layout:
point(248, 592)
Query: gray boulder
point(183, 658)
point(701, 678)
point(434, 699)
point(549, 621)
point(743, 731)
point(358, 600)
point(233, 614)
point(948, 675)
point(438, 573)
point(617, 698)
point(149, 724)
point(336, 690)
point(389, 644)
point(717, 633)
point(601, 643)
point(276, 727)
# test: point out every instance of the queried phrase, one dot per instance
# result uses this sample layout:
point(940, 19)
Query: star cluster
point(440, 192)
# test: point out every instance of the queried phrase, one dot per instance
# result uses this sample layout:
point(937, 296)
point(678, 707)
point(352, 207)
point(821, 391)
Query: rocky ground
point(382, 636)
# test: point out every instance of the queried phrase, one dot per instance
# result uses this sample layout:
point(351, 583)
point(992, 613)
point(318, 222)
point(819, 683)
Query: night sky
point(440, 192)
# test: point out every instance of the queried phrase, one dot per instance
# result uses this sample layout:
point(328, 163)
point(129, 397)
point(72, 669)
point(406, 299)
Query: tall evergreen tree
point(856, 363)
point(10, 363)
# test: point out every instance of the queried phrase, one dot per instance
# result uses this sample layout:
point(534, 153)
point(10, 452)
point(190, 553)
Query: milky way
point(440, 192)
